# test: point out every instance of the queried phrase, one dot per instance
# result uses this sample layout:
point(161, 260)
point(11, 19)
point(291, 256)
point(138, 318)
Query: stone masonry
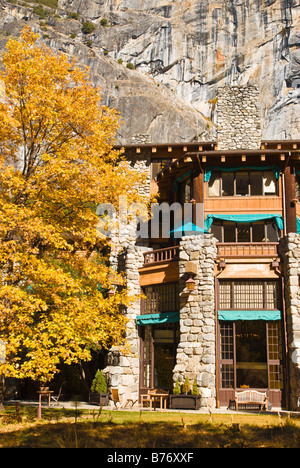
point(122, 370)
point(196, 352)
point(238, 118)
point(290, 253)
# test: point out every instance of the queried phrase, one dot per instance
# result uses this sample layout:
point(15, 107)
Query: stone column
point(122, 370)
point(290, 253)
point(238, 118)
point(196, 352)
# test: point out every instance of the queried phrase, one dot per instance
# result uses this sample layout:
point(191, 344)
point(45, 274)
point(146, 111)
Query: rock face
point(182, 52)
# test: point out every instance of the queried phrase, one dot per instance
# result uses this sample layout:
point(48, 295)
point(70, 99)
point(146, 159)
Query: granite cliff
point(161, 62)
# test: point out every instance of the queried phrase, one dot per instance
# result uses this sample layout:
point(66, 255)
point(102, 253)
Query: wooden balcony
point(161, 255)
point(248, 249)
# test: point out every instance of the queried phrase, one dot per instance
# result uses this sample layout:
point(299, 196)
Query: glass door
point(158, 355)
point(250, 357)
point(251, 354)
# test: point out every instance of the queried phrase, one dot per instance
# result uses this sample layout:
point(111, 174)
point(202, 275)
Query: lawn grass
point(61, 428)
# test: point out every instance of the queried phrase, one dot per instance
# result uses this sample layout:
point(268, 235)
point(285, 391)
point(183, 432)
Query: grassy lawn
point(61, 428)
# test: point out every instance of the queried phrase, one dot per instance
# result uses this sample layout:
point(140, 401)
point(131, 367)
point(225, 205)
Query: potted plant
point(99, 394)
point(185, 399)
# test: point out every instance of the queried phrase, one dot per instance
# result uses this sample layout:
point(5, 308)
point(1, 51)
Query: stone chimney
point(238, 118)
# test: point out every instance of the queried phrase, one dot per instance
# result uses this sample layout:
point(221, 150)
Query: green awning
point(153, 319)
point(210, 169)
point(298, 225)
point(243, 218)
point(233, 315)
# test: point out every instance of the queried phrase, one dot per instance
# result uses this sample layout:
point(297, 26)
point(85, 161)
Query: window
point(251, 355)
point(158, 164)
point(297, 186)
point(242, 232)
point(249, 295)
point(242, 184)
point(161, 298)
point(185, 191)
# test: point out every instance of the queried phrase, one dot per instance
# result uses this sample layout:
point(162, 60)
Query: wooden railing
point(248, 249)
point(161, 255)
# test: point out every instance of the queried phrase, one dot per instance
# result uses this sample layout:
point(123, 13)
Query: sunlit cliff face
point(182, 52)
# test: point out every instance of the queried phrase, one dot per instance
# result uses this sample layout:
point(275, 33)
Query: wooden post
point(290, 206)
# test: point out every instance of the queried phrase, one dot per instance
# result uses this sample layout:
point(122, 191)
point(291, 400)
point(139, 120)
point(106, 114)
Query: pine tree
point(99, 384)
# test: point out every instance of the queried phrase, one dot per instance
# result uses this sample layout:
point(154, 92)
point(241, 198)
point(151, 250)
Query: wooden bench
point(251, 397)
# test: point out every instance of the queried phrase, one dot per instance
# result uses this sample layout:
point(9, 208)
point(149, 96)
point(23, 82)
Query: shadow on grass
point(108, 434)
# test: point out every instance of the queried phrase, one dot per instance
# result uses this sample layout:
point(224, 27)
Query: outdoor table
point(161, 397)
point(46, 393)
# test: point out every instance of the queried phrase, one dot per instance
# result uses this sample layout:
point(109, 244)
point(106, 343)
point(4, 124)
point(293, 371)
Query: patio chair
point(124, 402)
point(115, 397)
point(55, 398)
point(128, 398)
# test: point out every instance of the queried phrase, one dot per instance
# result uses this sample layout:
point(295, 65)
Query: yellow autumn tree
point(57, 164)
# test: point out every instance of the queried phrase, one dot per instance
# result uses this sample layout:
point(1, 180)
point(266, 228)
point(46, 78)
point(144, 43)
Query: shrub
point(103, 22)
point(130, 66)
point(73, 15)
point(120, 61)
point(39, 10)
point(186, 386)
point(88, 27)
point(195, 390)
point(99, 384)
point(176, 389)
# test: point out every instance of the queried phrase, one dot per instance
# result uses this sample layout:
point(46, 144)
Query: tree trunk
point(2, 393)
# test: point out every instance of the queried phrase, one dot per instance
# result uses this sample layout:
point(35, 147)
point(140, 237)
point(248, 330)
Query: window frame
point(168, 293)
point(221, 223)
point(262, 173)
point(233, 293)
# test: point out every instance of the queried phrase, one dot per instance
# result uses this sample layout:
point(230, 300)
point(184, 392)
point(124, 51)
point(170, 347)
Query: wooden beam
point(290, 193)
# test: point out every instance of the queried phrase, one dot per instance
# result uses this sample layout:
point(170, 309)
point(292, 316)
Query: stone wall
point(290, 253)
point(238, 118)
point(122, 370)
point(196, 352)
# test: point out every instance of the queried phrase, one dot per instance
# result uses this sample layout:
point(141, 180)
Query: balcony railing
point(248, 249)
point(161, 255)
point(226, 249)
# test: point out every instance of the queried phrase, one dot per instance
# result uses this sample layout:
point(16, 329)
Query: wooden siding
point(235, 205)
point(159, 273)
point(247, 249)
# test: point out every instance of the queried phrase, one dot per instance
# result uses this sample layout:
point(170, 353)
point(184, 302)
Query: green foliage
point(103, 22)
point(99, 384)
point(195, 390)
point(73, 15)
point(130, 66)
point(186, 386)
point(88, 27)
point(176, 389)
point(48, 3)
point(39, 10)
point(120, 61)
